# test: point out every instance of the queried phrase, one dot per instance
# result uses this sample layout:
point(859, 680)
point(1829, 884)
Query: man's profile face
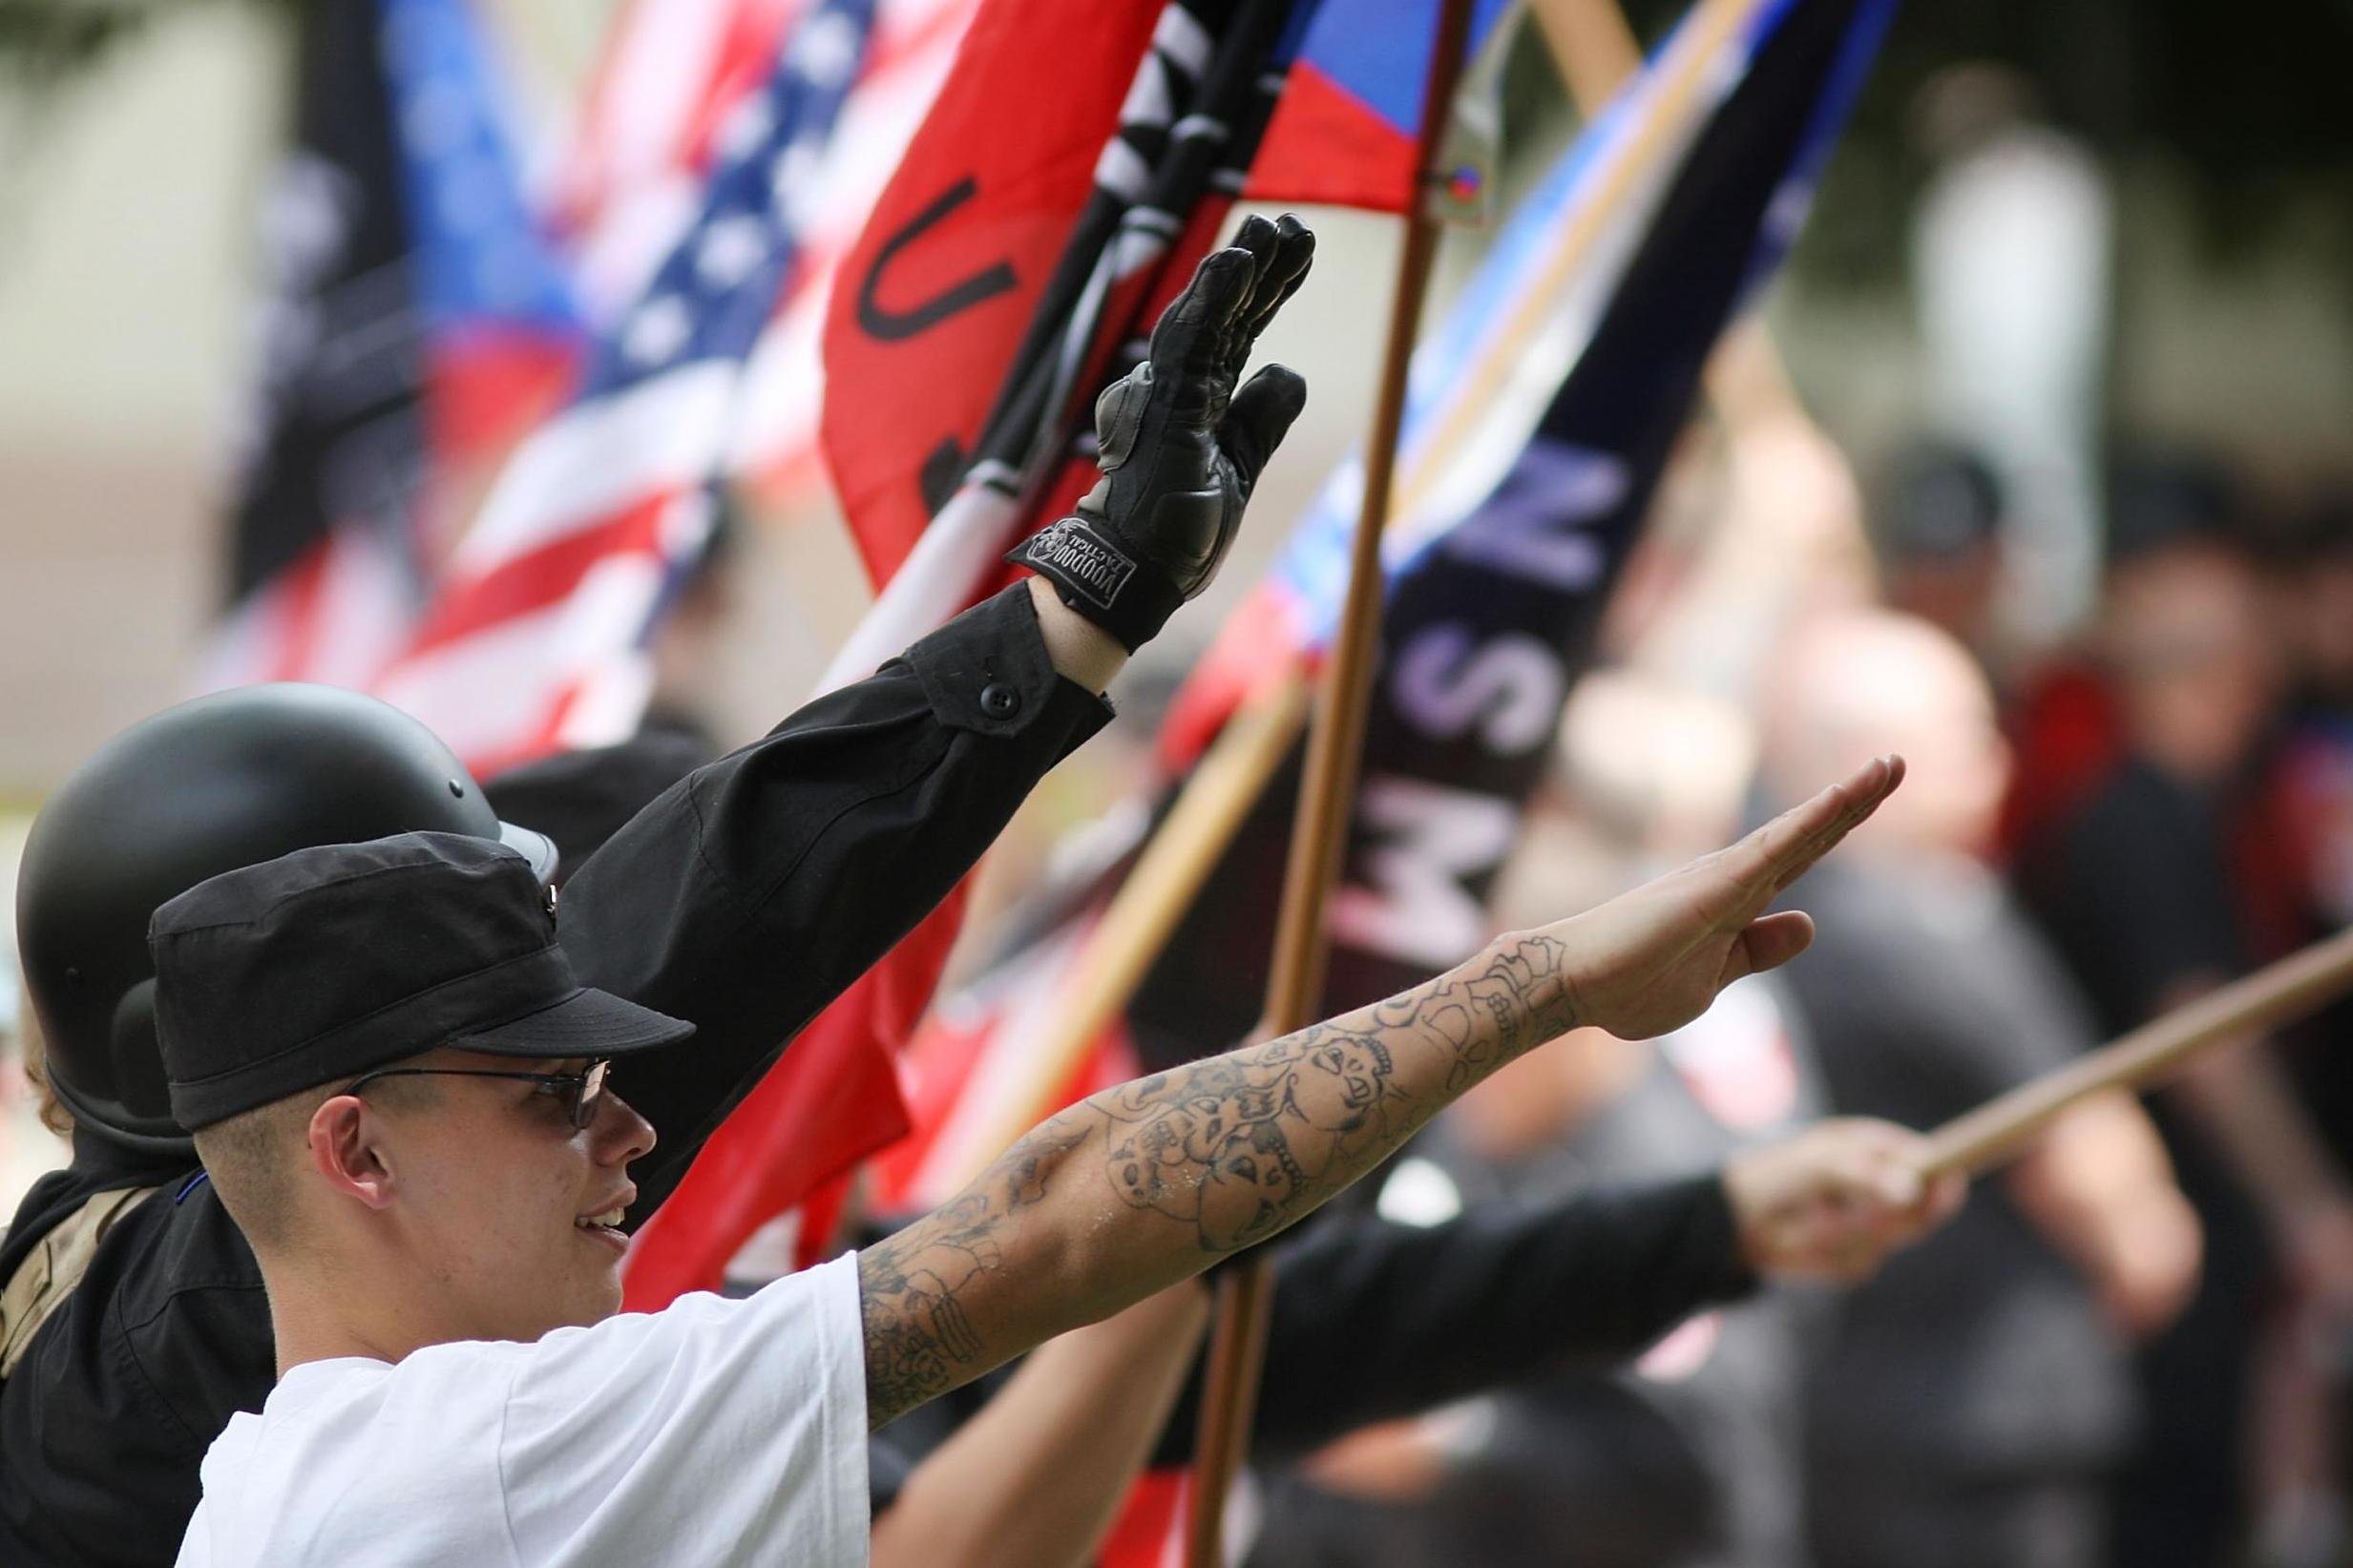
point(501, 1203)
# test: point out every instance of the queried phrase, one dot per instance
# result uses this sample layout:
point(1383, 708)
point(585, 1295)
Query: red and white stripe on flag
point(533, 645)
point(671, 72)
point(337, 615)
point(536, 638)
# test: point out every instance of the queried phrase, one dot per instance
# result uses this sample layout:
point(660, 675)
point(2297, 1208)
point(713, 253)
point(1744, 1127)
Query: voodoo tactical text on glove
point(1179, 448)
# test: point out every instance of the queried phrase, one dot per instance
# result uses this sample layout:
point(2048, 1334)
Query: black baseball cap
point(333, 961)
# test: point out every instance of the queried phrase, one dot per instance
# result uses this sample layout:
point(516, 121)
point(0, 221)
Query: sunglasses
point(584, 1089)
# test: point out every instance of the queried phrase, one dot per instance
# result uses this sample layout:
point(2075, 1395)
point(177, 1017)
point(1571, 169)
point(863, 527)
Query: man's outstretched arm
point(1153, 1180)
point(690, 906)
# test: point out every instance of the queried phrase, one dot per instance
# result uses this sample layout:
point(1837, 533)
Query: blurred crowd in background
point(2121, 666)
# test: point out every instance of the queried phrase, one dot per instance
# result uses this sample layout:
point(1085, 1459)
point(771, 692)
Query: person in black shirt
point(2149, 882)
point(743, 900)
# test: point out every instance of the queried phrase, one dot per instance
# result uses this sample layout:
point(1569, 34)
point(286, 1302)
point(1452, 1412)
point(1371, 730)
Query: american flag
point(671, 70)
point(418, 321)
point(631, 176)
point(536, 639)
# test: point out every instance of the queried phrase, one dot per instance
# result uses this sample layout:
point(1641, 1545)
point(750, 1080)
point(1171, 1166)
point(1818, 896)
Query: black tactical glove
point(1180, 448)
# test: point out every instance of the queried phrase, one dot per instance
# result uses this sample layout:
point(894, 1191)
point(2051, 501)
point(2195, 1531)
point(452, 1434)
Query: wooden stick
point(1681, 78)
point(1327, 795)
point(2002, 1127)
point(1592, 47)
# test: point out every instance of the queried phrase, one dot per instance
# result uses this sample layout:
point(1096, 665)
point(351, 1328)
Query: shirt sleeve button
point(999, 700)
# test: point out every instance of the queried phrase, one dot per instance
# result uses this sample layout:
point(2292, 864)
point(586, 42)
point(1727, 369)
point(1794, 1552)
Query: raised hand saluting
point(1180, 448)
point(1650, 961)
point(1151, 1181)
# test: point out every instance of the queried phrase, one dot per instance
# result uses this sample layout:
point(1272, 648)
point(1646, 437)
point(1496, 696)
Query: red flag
point(830, 1101)
point(1185, 132)
point(933, 299)
point(972, 1060)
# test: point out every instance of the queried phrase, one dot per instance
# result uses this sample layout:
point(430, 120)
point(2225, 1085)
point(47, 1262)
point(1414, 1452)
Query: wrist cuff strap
point(1129, 598)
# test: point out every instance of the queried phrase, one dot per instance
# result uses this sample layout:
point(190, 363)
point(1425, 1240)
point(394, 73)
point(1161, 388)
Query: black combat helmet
point(222, 782)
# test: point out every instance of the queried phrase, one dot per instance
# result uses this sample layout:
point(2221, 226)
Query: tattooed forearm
point(919, 1340)
point(1241, 1145)
point(1233, 1148)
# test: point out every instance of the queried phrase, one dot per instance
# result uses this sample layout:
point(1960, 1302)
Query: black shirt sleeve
point(104, 1423)
point(1374, 1320)
point(756, 891)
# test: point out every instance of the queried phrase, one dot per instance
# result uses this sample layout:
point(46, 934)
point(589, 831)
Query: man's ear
point(347, 1147)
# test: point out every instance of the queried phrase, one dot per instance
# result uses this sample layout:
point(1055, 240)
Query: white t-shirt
point(713, 1432)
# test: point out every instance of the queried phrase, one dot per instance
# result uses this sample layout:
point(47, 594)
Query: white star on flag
point(657, 330)
point(826, 50)
point(536, 641)
point(747, 126)
point(731, 248)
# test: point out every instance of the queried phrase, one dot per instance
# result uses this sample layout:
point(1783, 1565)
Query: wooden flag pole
point(1596, 53)
point(1133, 930)
point(1681, 78)
point(1141, 916)
point(1327, 794)
point(2001, 1128)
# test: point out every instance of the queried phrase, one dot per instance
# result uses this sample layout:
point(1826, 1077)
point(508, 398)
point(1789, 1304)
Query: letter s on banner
point(1510, 686)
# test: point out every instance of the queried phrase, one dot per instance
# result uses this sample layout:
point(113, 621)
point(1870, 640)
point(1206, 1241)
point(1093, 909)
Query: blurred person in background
point(1937, 532)
point(2305, 1468)
point(1690, 1456)
point(1749, 534)
point(2013, 260)
point(2151, 846)
point(1975, 1397)
point(2061, 714)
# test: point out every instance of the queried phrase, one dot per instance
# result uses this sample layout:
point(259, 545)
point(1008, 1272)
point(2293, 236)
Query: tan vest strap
point(51, 1270)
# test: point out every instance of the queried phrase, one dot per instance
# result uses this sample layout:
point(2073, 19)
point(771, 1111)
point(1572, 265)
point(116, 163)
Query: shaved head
point(255, 1160)
point(1858, 682)
point(258, 1159)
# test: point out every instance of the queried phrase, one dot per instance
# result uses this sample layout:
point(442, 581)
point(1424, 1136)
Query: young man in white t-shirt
point(398, 1090)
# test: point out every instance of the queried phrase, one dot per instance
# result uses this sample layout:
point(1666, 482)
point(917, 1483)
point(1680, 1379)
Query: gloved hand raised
point(1180, 448)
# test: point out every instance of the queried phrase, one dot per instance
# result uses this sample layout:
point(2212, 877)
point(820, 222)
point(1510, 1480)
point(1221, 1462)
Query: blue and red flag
point(1011, 271)
point(1592, 311)
point(1344, 134)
